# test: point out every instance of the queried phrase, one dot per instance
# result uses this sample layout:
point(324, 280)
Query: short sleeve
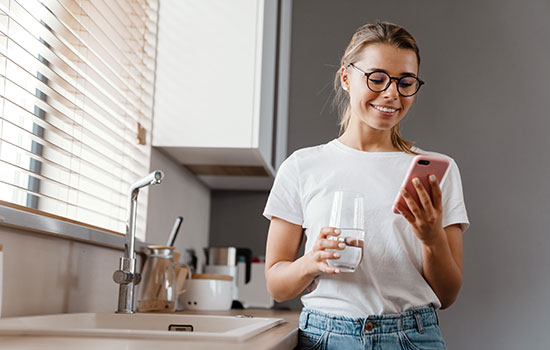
point(284, 200)
point(454, 209)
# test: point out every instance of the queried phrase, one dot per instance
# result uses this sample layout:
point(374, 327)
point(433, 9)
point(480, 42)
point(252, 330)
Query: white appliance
point(207, 292)
point(223, 261)
point(254, 293)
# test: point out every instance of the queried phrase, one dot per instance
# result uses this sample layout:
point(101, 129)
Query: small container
point(208, 292)
point(158, 289)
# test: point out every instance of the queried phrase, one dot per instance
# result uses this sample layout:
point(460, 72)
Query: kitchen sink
point(140, 325)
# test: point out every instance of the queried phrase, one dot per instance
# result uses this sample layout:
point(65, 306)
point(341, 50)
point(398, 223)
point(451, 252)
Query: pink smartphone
point(422, 167)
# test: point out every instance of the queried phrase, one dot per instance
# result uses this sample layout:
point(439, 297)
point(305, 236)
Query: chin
point(381, 126)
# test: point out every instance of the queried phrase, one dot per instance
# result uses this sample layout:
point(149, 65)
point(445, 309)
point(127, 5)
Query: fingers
point(324, 255)
point(426, 214)
point(321, 256)
point(423, 195)
point(411, 203)
point(329, 270)
point(327, 239)
point(328, 231)
point(324, 247)
point(406, 213)
point(436, 192)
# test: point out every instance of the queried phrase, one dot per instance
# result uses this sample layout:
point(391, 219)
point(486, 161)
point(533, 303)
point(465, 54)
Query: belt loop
point(434, 310)
point(419, 325)
point(306, 319)
point(400, 324)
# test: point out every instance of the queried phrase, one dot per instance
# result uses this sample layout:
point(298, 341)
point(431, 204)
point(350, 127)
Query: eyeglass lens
point(380, 81)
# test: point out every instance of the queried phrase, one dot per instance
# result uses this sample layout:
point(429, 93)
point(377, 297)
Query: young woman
point(412, 262)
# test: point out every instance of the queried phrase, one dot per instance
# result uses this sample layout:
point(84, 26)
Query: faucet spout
point(126, 275)
point(153, 178)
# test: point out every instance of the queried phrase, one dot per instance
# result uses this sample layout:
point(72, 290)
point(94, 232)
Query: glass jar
point(158, 288)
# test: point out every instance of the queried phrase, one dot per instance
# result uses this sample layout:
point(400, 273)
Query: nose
point(391, 91)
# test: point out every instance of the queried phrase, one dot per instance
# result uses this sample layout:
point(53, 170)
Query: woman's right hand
point(287, 276)
point(318, 256)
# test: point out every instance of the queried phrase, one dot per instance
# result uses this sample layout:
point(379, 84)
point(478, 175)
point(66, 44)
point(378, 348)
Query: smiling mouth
point(385, 109)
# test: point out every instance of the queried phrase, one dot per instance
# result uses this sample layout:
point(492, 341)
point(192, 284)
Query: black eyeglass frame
point(420, 82)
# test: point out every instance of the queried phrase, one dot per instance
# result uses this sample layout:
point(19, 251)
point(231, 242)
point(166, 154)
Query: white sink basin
point(139, 325)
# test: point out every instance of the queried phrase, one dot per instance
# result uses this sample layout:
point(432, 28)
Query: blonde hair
point(379, 33)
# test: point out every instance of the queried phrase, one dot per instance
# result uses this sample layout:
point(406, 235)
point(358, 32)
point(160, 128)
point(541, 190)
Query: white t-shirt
point(389, 279)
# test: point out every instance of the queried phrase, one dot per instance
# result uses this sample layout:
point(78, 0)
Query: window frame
point(28, 219)
point(36, 220)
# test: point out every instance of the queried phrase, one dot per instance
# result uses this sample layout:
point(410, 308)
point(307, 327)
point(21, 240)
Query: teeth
point(385, 109)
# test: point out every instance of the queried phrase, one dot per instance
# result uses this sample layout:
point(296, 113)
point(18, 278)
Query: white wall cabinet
point(217, 104)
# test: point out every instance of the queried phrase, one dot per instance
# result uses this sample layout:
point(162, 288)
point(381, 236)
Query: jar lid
point(160, 251)
point(211, 276)
point(160, 247)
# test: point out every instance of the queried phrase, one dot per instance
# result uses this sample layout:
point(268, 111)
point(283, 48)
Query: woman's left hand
point(425, 220)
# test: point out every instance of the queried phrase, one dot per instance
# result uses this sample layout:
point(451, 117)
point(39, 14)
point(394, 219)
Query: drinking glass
point(348, 215)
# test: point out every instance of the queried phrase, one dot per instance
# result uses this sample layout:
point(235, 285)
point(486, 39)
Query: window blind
point(76, 102)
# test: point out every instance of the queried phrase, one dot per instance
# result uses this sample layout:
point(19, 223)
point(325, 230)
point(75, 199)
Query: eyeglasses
point(379, 81)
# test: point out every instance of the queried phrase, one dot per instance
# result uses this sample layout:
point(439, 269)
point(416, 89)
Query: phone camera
point(423, 162)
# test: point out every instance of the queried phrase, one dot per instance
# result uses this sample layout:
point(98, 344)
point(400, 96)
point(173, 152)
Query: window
point(76, 105)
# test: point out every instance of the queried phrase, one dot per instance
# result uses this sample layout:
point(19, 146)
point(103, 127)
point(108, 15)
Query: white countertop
point(283, 336)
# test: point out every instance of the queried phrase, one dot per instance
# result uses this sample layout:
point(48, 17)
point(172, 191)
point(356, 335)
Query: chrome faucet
point(126, 275)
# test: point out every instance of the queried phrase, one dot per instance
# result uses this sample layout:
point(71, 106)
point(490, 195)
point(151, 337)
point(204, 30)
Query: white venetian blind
point(76, 90)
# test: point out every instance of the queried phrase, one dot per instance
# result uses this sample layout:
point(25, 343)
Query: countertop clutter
point(283, 336)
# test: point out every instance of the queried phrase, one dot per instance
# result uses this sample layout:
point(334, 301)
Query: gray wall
point(486, 104)
point(236, 220)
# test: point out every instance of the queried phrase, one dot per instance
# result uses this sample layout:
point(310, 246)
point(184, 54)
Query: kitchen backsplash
point(47, 274)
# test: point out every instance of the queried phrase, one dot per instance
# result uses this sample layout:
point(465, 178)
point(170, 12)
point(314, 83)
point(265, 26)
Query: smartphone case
point(436, 166)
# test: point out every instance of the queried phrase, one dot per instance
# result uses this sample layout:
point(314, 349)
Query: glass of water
point(348, 214)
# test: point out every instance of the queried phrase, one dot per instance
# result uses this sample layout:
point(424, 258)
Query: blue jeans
point(411, 330)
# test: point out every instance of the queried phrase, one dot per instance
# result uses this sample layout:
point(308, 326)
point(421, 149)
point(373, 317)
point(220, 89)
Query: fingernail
point(337, 230)
point(432, 178)
point(336, 255)
point(341, 245)
point(403, 192)
point(416, 181)
point(337, 271)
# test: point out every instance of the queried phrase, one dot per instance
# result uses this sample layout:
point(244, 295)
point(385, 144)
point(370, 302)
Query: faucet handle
point(122, 277)
point(125, 277)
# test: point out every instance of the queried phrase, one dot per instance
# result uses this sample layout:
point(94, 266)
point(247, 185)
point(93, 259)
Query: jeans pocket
point(431, 339)
point(309, 341)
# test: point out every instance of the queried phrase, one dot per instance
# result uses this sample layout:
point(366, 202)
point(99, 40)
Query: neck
point(368, 140)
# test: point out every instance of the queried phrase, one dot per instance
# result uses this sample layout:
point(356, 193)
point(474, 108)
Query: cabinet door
point(206, 83)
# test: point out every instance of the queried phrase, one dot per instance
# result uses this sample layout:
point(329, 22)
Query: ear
point(344, 78)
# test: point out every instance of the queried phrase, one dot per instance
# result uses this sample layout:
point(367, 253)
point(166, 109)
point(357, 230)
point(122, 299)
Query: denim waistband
point(413, 319)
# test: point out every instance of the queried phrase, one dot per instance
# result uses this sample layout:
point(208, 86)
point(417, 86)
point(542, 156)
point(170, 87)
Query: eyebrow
point(404, 74)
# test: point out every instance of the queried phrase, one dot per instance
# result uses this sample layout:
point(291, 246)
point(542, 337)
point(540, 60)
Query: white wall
point(44, 274)
point(180, 194)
